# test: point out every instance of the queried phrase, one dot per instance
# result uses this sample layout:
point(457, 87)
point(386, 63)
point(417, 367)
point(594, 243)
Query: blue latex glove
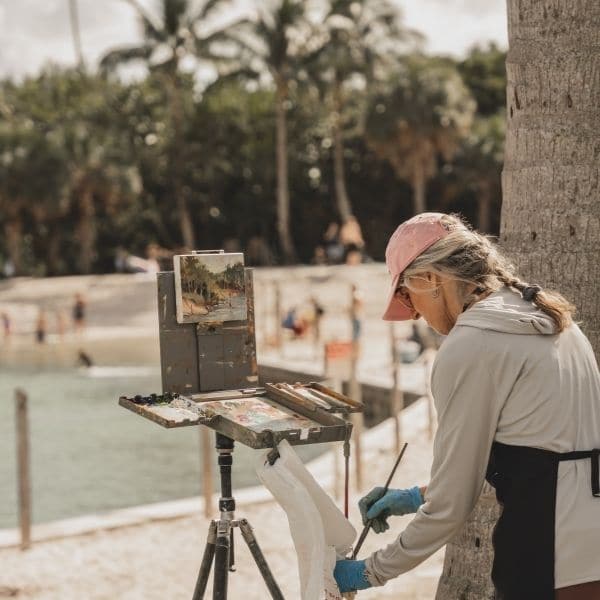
point(379, 506)
point(350, 575)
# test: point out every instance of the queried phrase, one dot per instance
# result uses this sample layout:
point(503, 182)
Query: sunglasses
point(401, 294)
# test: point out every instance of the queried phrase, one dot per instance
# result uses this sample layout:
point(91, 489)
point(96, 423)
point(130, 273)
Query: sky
point(35, 32)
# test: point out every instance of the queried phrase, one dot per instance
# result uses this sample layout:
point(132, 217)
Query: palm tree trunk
point(468, 560)
point(13, 232)
point(186, 225)
point(76, 32)
point(484, 207)
point(550, 210)
point(419, 184)
point(53, 251)
point(86, 230)
point(339, 172)
point(283, 196)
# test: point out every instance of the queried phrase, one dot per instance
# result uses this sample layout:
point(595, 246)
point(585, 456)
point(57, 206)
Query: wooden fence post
point(397, 396)
point(207, 470)
point(278, 329)
point(24, 483)
point(356, 418)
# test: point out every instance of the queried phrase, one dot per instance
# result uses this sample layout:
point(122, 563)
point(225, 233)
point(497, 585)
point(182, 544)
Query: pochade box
point(209, 369)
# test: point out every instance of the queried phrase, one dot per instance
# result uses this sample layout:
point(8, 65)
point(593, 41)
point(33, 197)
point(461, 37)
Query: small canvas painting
point(210, 288)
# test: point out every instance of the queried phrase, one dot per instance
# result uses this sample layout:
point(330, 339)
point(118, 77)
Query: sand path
point(160, 560)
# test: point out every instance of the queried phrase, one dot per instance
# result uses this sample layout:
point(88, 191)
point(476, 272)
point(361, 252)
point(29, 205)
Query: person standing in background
point(6, 326)
point(41, 326)
point(356, 310)
point(79, 313)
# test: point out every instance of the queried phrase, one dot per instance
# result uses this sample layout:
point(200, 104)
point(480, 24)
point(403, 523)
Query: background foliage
point(93, 165)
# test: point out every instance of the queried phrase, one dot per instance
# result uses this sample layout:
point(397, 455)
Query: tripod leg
point(259, 558)
point(207, 558)
point(221, 560)
point(231, 552)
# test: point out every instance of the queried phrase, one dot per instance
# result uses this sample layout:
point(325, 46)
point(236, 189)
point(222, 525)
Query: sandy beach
point(158, 557)
point(160, 560)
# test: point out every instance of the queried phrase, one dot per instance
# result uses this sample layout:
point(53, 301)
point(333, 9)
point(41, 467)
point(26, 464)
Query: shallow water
point(88, 454)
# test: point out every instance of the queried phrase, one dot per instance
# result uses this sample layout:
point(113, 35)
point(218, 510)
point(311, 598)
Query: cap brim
point(396, 310)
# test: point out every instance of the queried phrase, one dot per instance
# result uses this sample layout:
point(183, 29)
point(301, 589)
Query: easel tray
point(258, 418)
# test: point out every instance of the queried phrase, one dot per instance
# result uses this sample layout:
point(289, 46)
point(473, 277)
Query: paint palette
point(258, 419)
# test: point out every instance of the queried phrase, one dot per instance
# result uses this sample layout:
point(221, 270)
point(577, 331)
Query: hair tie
point(530, 292)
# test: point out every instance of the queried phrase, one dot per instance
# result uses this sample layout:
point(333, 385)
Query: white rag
point(319, 530)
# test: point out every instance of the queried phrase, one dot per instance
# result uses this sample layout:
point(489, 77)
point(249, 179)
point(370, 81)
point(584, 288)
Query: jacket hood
point(506, 311)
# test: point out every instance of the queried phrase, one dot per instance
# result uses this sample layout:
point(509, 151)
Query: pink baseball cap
point(409, 240)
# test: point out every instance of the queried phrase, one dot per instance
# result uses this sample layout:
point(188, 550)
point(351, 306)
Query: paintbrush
point(363, 535)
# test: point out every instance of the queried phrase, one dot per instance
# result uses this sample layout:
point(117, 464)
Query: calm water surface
point(90, 455)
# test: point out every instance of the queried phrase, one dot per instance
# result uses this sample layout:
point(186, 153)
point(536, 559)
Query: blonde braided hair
point(473, 259)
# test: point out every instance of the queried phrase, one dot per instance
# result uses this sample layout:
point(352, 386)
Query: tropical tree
point(182, 31)
point(550, 209)
point(479, 165)
point(484, 73)
point(362, 39)
point(76, 32)
point(421, 114)
point(276, 43)
point(64, 159)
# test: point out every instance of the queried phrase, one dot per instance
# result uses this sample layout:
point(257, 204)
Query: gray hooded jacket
point(504, 374)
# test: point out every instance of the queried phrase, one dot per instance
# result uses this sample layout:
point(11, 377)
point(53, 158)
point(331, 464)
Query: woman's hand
point(350, 575)
point(378, 505)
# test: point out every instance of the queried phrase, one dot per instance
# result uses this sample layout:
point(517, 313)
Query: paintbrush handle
point(364, 532)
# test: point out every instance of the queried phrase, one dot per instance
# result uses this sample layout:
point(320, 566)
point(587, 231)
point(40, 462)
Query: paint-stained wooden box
point(257, 419)
point(211, 368)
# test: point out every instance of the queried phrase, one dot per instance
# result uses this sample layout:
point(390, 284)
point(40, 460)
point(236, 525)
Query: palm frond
point(208, 7)
point(152, 28)
point(114, 58)
point(174, 12)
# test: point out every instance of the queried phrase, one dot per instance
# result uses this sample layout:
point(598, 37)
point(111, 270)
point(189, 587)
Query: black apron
point(525, 480)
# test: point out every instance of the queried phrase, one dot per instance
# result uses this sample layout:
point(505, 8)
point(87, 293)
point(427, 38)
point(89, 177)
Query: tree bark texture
point(419, 184)
point(468, 560)
point(551, 209)
point(344, 206)
point(551, 179)
point(283, 192)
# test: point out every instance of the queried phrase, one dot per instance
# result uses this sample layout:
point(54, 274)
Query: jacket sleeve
point(468, 402)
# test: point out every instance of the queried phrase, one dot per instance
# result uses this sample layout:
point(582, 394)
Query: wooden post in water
point(356, 307)
point(207, 470)
point(24, 483)
point(397, 396)
point(278, 331)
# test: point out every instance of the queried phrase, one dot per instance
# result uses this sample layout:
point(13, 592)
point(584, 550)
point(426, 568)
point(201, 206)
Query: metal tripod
point(219, 543)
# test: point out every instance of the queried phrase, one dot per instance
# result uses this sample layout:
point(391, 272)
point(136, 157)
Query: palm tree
point(276, 43)
point(421, 114)
point(76, 32)
point(479, 165)
point(179, 32)
point(550, 209)
point(362, 38)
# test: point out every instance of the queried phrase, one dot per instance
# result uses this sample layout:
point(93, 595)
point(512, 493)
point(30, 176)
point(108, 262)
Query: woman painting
point(517, 392)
